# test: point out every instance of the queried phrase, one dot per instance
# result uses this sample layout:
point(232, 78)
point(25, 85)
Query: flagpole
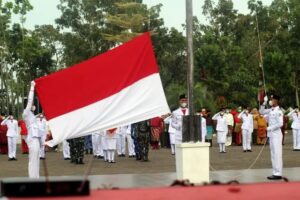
point(190, 65)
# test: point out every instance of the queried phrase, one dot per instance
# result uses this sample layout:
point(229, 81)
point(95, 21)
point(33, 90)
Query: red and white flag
point(119, 87)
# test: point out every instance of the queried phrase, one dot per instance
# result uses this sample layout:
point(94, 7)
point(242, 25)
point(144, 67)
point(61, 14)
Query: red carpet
point(273, 191)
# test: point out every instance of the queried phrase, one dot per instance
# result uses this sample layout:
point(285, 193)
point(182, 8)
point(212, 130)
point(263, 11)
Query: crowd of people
point(241, 126)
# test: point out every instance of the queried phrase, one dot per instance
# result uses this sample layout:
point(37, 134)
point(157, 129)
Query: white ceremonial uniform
point(130, 142)
point(103, 145)
point(171, 131)
point(247, 129)
point(230, 122)
point(33, 139)
point(176, 123)
point(12, 135)
point(274, 116)
point(96, 142)
point(66, 150)
point(111, 142)
point(203, 129)
point(42, 127)
point(121, 141)
point(222, 130)
point(296, 129)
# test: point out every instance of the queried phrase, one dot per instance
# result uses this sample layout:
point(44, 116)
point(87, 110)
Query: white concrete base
point(192, 162)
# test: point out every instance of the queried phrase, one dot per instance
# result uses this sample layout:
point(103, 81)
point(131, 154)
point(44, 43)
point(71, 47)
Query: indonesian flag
point(119, 87)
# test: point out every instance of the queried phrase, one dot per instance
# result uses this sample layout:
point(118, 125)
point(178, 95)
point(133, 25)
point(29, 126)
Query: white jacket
point(295, 118)
point(247, 121)
point(221, 122)
point(12, 127)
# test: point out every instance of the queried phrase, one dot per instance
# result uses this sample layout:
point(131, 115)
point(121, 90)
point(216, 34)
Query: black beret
point(274, 96)
point(182, 96)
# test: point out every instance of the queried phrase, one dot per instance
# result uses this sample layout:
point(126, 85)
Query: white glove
point(32, 85)
point(265, 100)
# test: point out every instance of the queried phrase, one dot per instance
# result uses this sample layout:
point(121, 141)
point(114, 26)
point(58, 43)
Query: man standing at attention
point(177, 115)
point(274, 116)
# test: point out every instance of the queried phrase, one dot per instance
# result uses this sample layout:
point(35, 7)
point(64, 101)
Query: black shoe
point(123, 155)
point(273, 177)
point(249, 150)
point(120, 155)
point(245, 150)
point(224, 152)
point(15, 159)
point(100, 157)
point(10, 159)
point(80, 161)
point(42, 158)
point(67, 158)
point(86, 151)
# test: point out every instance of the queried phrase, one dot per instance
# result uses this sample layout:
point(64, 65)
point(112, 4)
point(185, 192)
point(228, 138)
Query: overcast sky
point(173, 11)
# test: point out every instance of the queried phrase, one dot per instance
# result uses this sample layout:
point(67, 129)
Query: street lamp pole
point(190, 66)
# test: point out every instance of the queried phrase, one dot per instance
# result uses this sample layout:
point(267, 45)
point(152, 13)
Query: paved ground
point(224, 167)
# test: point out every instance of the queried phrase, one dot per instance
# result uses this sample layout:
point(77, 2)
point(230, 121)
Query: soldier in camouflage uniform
point(143, 135)
point(72, 150)
point(134, 136)
point(78, 150)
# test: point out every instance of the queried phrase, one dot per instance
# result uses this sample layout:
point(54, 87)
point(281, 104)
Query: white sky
point(173, 11)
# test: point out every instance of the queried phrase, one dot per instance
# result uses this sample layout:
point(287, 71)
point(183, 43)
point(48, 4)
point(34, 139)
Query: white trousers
point(66, 149)
point(121, 144)
point(42, 150)
point(130, 145)
point(296, 138)
point(276, 153)
point(222, 147)
point(111, 155)
point(96, 141)
point(34, 158)
point(12, 146)
point(173, 148)
point(247, 137)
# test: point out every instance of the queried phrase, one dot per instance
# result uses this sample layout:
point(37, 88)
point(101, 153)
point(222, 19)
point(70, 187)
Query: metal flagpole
point(190, 66)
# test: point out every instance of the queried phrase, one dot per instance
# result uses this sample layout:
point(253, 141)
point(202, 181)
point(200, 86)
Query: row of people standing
point(106, 143)
point(14, 128)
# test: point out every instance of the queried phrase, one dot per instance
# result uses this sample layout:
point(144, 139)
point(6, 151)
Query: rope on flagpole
point(261, 62)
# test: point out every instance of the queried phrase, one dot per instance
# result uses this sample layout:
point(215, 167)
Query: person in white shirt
point(121, 141)
point(33, 138)
point(97, 147)
point(177, 116)
point(111, 142)
point(230, 124)
point(202, 113)
point(295, 116)
point(274, 117)
point(247, 128)
point(222, 129)
point(130, 142)
point(12, 135)
point(66, 150)
point(42, 128)
point(171, 131)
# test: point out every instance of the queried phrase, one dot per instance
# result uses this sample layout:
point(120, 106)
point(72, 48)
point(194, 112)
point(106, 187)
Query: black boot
point(80, 161)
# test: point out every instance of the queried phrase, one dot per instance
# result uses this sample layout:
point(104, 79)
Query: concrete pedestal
point(192, 162)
